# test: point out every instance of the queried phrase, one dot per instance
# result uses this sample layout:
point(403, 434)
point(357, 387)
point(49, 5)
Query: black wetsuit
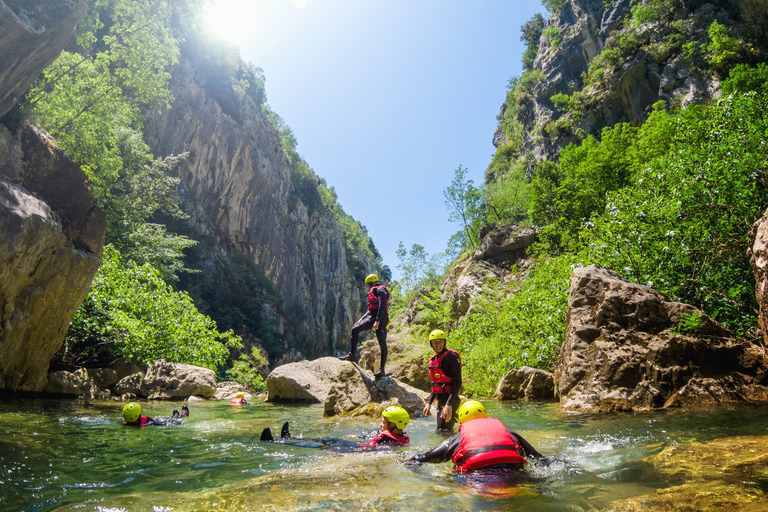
point(445, 450)
point(451, 367)
point(366, 322)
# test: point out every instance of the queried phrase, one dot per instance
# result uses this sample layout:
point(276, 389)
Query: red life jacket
point(441, 383)
point(386, 434)
point(237, 401)
point(141, 422)
point(485, 442)
point(373, 299)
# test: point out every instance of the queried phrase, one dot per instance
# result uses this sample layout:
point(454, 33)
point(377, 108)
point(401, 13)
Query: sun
point(237, 19)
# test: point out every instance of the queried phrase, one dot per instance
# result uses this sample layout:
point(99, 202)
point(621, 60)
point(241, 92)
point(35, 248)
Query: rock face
point(32, 34)
point(238, 188)
point(529, 384)
point(165, 380)
point(758, 258)
point(50, 249)
point(649, 66)
point(629, 348)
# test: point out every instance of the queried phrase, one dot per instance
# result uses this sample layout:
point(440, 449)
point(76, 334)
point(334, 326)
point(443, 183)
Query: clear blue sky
point(386, 98)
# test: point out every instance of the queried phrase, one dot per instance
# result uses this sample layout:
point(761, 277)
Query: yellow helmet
point(470, 410)
point(372, 278)
point(131, 412)
point(240, 395)
point(397, 415)
point(437, 334)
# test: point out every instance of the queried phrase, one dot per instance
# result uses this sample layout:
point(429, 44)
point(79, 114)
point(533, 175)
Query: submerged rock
point(526, 384)
point(725, 474)
point(627, 347)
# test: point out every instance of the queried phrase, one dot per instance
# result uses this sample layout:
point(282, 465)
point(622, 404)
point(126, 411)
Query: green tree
point(465, 206)
point(130, 311)
point(531, 33)
point(419, 268)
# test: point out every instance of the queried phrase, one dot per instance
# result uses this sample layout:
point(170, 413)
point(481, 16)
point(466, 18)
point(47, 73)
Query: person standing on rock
point(445, 374)
point(376, 318)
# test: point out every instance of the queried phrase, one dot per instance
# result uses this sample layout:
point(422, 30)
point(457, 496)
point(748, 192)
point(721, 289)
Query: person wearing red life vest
point(376, 318)
point(445, 374)
point(482, 443)
point(132, 417)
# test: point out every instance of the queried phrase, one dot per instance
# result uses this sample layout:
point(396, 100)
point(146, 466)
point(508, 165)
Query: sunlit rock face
point(758, 258)
point(51, 238)
point(647, 74)
point(628, 347)
point(32, 34)
point(237, 187)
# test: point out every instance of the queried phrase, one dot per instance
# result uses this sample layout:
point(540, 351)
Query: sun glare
point(236, 19)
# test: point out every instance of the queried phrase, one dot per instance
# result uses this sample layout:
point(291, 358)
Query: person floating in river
point(376, 318)
point(482, 443)
point(132, 417)
point(238, 400)
point(445, 374)
point(394, 419)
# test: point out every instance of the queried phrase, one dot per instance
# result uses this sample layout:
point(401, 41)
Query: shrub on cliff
point(132, 312)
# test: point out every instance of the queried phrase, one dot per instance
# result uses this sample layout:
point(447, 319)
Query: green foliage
point(553, 5)
point(725, 50)
point(654, 11)
point(513, 327)
point(245, 371)
point(531, 34)
point(508, 196)
point(690, 323)
point(465, 206)
point(744, 79)
point(555, 36)
point(131, 312)
point(418, 268)
point(682, 227)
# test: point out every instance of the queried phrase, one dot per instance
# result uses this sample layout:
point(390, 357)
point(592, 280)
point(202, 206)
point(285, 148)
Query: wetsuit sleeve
point(382, 294)
point(442, 452)
point(431, 398)
point(452, 368)
point(529, 450)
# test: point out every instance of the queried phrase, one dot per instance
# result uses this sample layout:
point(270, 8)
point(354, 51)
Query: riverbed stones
point(722, 475)
point(303, 381)
point(165, 380)
point(526, 383)
point(627, 347)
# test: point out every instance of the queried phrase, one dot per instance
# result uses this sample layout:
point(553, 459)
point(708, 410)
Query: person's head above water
point(437, 340)
point(131, 412)
point(372, 280)
point(396, 416)
point(470, 410)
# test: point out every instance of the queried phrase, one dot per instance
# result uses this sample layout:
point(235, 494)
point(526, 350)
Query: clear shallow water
point(74, 455)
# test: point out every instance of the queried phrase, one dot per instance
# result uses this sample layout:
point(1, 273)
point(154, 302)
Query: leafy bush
point(245, 371)
point(130, 311)
point(513, 327)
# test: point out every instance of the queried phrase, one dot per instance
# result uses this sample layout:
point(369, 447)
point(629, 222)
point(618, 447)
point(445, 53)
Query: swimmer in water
point(132, 417)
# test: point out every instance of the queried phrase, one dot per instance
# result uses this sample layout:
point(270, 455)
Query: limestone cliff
point(51, 231)
point(238, 192)
point(614, 60)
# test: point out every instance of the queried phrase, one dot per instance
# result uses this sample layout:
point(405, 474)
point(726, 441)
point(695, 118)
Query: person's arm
point(442, 452)
point(452, 368)
point(528, 449)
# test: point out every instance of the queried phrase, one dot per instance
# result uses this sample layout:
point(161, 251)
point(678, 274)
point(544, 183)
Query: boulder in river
point(303, 381)
point(530, 384)
point(165, 380)
point(627, 347)
point(79, 384)
point(406, 362)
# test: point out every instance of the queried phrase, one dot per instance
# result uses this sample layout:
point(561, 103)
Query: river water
point(74, 455)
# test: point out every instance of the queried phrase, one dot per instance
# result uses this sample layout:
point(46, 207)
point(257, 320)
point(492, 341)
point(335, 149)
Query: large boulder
point(51, 237)
point(530, 384)
point(165, 380)
point(352, 387)
point(303, 381)
point(32, 34)
point(758, 259)
point(627, 347)
point(103, 378)
point(130, 385)
point(79, 384)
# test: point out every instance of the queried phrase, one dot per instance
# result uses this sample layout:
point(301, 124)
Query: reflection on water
point(75, 455)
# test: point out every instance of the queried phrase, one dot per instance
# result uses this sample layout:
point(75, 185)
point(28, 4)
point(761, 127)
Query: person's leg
point(439, 411)
point(381, 337)
point(364, 324)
